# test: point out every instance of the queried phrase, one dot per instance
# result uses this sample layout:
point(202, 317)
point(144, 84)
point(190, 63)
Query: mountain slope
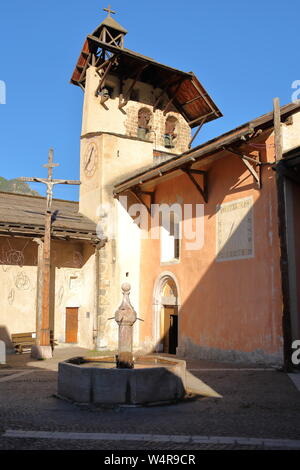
point(15, 186)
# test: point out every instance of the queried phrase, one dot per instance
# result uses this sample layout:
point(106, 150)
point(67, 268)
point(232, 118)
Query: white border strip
point(180, 439)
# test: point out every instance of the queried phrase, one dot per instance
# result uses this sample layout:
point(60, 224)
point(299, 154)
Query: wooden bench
point(22, 341)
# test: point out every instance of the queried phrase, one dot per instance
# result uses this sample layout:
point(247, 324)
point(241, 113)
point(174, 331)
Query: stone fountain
point(123, 380)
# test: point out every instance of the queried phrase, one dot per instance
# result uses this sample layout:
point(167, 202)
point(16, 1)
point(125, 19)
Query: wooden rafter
point(246, 160)
point(137, 192)
point(202, 190)
point(165, 86)
point(167, 107)
point(82, 76)
point(192, 101)
point(109, 65)
point(124, 99)
point(159, 98)
point(196, 133)
point(203, 96)
point(191, 123)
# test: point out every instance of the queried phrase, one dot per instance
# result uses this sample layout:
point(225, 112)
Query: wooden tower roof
point(107, 51)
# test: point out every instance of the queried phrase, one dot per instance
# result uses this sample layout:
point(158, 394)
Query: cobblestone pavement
point(256, 403)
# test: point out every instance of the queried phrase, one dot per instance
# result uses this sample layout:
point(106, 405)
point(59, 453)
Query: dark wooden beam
point(200, 118)
point(137, 193)
point(284, 268)
point(124, 100)
point(203, 191)
point(246, 160)
point(204, 97)
point(192, 101)
point(277, 130)
point(85, 67)
point(196, 133)
point(168, 105)
point(103, 78)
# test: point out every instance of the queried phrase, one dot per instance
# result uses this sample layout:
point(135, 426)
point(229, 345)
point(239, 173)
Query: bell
point(168, 141)
point(141, 133)
point(104, 93)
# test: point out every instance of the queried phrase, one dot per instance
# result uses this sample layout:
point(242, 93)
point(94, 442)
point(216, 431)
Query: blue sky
point(244, 53)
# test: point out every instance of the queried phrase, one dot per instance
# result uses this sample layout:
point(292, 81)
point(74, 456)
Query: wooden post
point(43, 349)
point(277, 130)
point(282, 228)
point(45, 326)
point(39, 289)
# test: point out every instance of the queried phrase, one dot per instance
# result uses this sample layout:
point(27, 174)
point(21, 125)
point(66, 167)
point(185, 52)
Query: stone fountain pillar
point(125, 316)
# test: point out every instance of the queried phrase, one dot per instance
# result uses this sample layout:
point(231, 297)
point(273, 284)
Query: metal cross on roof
point(49, 182)
point(109, 11)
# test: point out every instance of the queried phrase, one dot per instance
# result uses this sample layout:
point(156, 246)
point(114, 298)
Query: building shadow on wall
point(233, 311)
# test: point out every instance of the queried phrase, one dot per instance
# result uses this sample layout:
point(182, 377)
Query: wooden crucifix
point(43, 329)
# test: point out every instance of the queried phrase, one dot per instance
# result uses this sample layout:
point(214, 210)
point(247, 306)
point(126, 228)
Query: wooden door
point(173, 333)
point(170, 330)
point(71, 324)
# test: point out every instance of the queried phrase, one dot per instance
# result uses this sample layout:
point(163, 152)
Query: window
point(106, 91)
point(144, 127)
point(170, 132)
point(169, 239)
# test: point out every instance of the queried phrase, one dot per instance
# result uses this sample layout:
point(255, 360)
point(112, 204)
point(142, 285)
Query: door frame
point(158, 305)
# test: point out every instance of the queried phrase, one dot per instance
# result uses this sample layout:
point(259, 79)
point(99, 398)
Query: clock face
point(90, 159)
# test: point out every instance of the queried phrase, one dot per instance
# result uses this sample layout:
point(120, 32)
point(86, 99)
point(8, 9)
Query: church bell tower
point(136, 113)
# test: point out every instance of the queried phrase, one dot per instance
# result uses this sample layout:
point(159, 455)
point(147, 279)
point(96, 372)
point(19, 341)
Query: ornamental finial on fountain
point(126, 315)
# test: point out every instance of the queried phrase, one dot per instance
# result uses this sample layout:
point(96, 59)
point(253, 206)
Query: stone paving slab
point(159, 438)
point(35, 444)
point(256, 404)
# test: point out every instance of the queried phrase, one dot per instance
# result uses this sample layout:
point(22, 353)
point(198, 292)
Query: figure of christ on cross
point(43, 327)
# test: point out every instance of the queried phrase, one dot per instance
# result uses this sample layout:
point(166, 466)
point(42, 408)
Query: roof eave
point(208, 148)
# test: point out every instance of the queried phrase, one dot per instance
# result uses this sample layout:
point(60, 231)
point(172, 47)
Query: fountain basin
point(154, 379)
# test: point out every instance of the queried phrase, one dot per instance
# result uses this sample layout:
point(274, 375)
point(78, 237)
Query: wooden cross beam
point(49, 181)
point(43, 325)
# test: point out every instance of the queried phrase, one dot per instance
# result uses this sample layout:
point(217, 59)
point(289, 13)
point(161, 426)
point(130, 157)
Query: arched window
point(170, 132)
point(144, 127)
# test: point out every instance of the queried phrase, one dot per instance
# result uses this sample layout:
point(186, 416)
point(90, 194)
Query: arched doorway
point(166, 308)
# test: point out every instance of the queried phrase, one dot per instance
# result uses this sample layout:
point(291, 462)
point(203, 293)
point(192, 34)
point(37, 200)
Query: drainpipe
point(96, 298)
